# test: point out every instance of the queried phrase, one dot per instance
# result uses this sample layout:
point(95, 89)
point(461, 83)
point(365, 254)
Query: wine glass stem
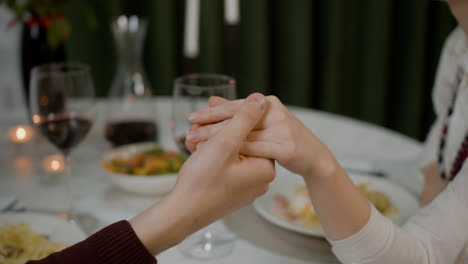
point(70, 205)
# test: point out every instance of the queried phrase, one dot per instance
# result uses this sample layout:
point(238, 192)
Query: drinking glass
point(191, 93)
point(62, 110)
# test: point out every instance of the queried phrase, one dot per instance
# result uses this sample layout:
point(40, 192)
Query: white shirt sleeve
point(436, 234)
point(444, 84)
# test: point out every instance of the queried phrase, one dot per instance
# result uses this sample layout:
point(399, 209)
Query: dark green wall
point(372, 60)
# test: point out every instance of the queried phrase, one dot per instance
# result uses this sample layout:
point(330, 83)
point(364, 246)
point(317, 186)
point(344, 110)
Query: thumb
point(246, 118)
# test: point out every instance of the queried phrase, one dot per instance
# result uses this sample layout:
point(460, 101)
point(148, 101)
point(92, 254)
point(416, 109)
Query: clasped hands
point(278, 135)
point(234, 145)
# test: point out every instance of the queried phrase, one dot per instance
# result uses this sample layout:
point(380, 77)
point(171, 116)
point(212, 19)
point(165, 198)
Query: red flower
point(12, 23)
point(31, 22)
point(45, 22)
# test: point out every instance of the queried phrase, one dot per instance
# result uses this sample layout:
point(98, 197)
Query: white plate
point(145, 185)
point(283, 185)
point(57, 230)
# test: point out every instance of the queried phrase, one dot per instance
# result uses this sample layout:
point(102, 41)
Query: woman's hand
point(279, 136)
point(433, 184)
point(214, 181)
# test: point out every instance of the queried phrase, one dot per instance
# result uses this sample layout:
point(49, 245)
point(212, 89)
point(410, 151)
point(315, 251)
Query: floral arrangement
point(48, 14)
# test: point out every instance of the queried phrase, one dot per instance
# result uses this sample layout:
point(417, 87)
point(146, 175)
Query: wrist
point(165, 224)
point(324, 169)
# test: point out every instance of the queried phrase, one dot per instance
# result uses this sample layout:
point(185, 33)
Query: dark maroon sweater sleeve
point(116, 243)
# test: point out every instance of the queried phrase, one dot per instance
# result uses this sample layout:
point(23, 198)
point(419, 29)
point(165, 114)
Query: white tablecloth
point(258, 241)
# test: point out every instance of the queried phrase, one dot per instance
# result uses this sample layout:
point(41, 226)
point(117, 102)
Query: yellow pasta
point(19, 243)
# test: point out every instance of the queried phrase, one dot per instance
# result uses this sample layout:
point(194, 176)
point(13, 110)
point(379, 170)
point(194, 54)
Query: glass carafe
point(131, 111)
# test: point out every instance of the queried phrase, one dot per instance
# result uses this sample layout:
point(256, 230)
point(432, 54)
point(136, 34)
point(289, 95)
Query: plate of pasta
point(287, 202)
point(32, 236)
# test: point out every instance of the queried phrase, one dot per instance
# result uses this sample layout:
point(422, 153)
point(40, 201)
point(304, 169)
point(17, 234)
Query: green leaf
point(156, 151)
point(57, 33)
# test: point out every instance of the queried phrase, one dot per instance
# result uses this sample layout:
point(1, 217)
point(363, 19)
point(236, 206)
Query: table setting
point(73, 163)
point(111, 180)
point(104, 188)
point(257, 234)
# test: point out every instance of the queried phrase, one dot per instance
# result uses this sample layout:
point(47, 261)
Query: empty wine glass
point(191, 93)
point(62, 109)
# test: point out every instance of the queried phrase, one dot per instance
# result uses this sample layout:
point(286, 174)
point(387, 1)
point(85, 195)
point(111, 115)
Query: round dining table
point(358, 146)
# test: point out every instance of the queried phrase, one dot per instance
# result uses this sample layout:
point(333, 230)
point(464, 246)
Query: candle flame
point(36, 119)
point(21, 133)
point(54, 163)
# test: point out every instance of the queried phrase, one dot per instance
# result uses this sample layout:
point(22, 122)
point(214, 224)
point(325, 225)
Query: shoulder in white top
point(438, 232)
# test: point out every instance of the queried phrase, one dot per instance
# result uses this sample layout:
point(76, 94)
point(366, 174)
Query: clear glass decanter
point(131, 111)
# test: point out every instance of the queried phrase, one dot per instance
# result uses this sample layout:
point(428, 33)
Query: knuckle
point(290, 149)
point(250, 112)
point(281, 116)
point(288, 132)
point(264, 190)
point(257, 94)
point(270, 176)
point(273, 99)
point(204, 132)
point(209, 111)
point(225, 143)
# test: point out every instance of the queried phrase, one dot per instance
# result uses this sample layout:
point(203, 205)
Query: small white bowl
point(145, 185)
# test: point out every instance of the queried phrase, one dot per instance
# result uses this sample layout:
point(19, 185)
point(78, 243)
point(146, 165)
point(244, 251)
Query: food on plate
point(19, 243)
point(380, 201)
point(298, 207)
point(155, 161)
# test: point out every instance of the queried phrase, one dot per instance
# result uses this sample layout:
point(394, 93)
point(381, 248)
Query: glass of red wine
point(191, 93)
point(62, 109)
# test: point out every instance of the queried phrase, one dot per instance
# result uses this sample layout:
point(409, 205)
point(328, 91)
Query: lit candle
point(231, 12)
point(191, 30)
point(20, 134)
point(54, 163)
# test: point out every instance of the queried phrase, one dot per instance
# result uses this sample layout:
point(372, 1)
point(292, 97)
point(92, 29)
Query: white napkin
point(7, 201)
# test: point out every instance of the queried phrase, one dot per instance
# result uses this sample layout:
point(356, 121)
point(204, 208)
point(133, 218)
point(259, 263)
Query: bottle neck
point(129, 51)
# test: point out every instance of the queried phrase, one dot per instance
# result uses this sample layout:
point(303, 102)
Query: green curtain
point(371, 60)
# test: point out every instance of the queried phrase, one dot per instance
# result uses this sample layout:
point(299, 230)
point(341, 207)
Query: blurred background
point(370, 60)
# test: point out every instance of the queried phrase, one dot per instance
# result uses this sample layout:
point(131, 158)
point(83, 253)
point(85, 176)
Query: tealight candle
point(20, 134)
point(54, 163)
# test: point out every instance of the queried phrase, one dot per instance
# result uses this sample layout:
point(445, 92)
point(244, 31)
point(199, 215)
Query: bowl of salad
point(143, 168)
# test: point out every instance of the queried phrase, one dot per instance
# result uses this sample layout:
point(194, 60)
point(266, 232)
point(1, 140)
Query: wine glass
point(62, 109)
point(191, 93)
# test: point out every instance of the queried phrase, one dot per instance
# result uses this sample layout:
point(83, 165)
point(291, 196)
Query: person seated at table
point(213, 182)
point(357, 232)
point(220, 177)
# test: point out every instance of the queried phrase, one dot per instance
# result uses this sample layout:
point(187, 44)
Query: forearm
point(433, 235)
point(167, 223)
point(380, 241)
point(116, 243)
point(356, 230)
point(341, 208)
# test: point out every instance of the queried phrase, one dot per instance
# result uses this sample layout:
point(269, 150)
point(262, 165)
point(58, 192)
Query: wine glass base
point(86, 222)
point(208, 243)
